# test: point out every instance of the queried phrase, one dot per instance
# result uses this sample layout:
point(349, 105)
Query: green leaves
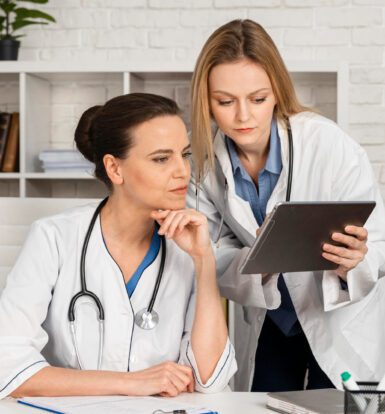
point(23, 13)
point(35, 1)
point(15, 18)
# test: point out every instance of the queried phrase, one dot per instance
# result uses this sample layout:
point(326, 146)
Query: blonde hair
point(229, 43)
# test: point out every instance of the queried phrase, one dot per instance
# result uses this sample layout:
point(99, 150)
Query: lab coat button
point(133, 358)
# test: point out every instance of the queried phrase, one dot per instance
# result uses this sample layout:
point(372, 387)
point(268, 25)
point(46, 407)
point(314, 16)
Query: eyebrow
point(251, 93)
point(168, 151)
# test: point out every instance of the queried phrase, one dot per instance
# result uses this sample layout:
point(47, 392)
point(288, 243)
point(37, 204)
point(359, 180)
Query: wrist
point(204, 258)
point(126, 384)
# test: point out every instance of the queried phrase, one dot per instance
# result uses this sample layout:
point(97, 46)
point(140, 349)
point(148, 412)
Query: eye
point(187, 154)
point(225, 103)
point(160, 160)
point(259, 100)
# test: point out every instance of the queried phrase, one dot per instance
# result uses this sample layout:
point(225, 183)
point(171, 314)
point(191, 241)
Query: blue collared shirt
point(267, 177)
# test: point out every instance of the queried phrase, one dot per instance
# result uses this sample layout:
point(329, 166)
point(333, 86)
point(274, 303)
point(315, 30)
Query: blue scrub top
point(151, 255)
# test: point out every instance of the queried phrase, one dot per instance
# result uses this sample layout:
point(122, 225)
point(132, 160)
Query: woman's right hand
point(167, 379)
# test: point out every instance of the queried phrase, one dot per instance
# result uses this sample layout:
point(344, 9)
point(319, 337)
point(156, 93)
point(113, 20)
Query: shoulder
point(67, 221)
point(310, 128)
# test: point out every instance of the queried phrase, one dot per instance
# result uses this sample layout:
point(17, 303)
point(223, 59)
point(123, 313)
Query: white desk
point(224, 403)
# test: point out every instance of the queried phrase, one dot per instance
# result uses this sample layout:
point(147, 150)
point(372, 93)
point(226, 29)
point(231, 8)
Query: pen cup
point(375, 400)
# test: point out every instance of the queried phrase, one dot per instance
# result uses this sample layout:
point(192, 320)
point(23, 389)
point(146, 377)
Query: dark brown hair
point(107, 129)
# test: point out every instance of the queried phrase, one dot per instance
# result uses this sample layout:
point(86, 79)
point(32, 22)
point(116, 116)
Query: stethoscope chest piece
point(146, 320)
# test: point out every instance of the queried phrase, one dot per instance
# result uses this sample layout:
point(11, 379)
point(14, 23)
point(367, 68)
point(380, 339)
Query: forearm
point(209, 331)
point(53, 381)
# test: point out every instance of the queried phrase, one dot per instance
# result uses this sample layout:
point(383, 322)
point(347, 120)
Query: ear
point(113, 169)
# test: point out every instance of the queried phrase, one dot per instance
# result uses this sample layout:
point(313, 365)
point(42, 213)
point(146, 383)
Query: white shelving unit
point(51, 97)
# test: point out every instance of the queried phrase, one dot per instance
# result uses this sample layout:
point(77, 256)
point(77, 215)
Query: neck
point(256, 153)
point(125, 223)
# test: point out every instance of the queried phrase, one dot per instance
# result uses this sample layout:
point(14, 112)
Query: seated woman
point(139, 261)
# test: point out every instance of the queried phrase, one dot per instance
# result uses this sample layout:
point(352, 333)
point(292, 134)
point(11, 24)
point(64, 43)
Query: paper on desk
point(111, 405)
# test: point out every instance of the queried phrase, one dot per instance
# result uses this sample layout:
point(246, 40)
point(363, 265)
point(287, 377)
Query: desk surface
point(224, 403)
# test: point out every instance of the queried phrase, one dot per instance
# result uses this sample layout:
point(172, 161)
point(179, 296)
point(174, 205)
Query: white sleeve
point(245, 289)
point(23, 308)
point(354, 180)
point(226, 365)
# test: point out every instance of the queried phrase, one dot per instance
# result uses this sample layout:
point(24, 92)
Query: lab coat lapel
point(279, 193)
point(239, 209)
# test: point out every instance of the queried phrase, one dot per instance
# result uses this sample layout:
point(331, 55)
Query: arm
point(247, 290)
point(354, 180)
point(168, 379)
point(209, 346)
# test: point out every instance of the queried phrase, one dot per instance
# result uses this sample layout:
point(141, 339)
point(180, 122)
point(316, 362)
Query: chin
point(175, 205)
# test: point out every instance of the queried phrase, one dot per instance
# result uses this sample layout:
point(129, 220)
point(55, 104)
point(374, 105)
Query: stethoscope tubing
point(84, 292)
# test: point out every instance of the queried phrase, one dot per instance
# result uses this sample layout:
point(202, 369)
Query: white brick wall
point(174, 30)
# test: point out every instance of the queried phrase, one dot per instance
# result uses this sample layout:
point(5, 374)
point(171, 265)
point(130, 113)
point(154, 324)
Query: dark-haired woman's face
point(157, 170)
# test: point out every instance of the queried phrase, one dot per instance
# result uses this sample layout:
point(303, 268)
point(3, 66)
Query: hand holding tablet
point(293, 235)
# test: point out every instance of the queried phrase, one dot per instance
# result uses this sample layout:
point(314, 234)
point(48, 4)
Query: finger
point(180, 382)
point(346, 263)
point(179, 372)
point(174, 225)
point(184, 376)
point(359, 232)
point(191, 385)
point(163, 229)
point(349, 241)
point(343, 252)
point(184, 222)
point(159, 214)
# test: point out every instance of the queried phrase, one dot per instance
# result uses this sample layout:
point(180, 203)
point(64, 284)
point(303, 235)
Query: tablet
point(292, 236)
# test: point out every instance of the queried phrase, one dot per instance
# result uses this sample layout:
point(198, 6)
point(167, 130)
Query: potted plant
point(12, 19)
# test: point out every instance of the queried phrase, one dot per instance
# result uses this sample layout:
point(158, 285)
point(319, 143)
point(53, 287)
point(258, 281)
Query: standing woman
point(319, 323)
point(145, 252)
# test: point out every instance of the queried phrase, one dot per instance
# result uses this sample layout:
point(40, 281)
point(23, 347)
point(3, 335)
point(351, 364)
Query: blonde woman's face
point(157, 169)
point(242, 102)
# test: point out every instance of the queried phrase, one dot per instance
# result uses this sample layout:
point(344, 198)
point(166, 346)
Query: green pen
point(351, 385)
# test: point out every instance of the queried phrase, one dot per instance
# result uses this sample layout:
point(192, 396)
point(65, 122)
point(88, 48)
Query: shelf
point(9, 176)
point(58, 175)
point(51, 96)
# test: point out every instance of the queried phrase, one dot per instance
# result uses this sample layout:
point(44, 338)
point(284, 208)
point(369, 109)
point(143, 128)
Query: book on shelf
point(65, 160)
point(5, 121)
point(11, 152)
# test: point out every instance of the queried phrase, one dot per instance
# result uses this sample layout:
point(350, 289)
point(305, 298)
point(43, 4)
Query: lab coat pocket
point(364, 329)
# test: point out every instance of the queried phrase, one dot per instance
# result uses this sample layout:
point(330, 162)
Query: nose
point(182, 167)
point(243, 111)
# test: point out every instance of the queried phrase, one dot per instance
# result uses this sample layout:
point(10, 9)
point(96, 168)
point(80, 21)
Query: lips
point(180, 190)
point(244, 130)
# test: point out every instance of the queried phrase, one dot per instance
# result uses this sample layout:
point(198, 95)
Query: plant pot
point(9, 49)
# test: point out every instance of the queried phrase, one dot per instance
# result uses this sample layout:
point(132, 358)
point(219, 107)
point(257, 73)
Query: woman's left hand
point(349, 255)
point(188, 228)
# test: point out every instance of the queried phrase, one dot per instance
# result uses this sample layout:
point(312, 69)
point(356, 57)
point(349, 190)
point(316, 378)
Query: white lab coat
point(34, 327)
point(344, 328)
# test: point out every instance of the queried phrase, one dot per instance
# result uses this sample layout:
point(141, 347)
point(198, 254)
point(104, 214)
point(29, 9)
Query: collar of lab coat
point(240, 209)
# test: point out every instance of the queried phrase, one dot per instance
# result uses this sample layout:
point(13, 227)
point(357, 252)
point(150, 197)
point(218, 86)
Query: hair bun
point(83, 132)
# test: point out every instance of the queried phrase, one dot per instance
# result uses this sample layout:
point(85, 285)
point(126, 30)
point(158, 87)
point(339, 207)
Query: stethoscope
point(146, 318)
point(288, 188)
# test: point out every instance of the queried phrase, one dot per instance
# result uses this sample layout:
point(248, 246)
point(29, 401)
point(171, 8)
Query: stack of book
point(9, 142)
point(65, 160)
